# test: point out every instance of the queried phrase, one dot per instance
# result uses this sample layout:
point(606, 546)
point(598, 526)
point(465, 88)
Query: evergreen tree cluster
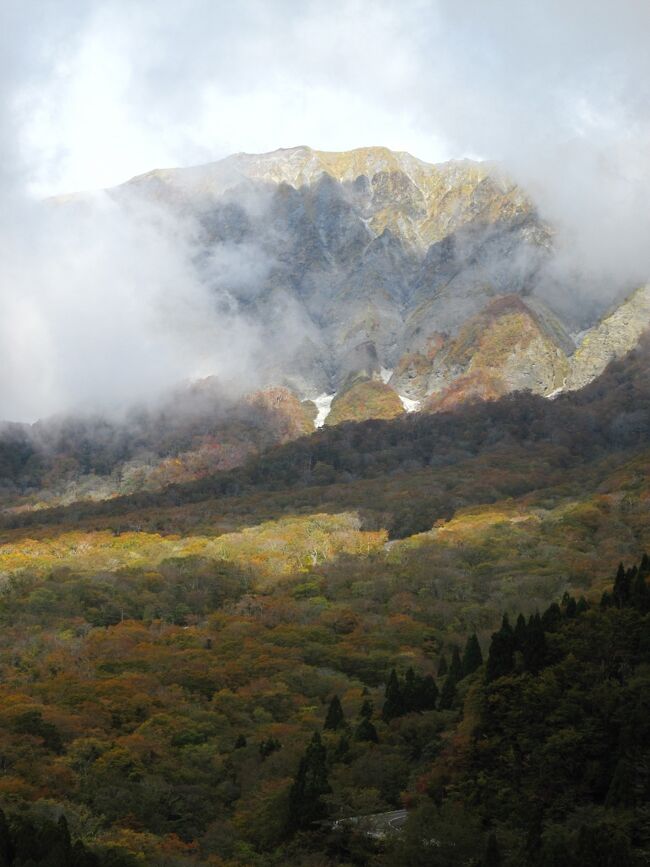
point(412, 693)
point(524, 647)
point(562, 742)
point(416, 693)
point(630, 587)
point(25, 843)
point(458, 669)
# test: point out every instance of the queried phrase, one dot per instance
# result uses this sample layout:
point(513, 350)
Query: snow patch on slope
point(409, 405)
point(323, 405)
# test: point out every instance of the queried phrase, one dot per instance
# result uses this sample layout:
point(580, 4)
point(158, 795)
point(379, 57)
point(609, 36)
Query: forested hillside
point(225, 671)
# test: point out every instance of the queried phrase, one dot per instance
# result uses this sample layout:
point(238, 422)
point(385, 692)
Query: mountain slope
point(613, 337)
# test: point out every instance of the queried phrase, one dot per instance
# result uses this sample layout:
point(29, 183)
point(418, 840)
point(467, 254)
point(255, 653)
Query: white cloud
point(94, 91)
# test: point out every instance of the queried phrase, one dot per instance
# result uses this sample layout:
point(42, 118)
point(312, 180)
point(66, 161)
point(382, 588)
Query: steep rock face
point(509, 346)
point(359, 247)
point(371, 260)
point(614, 336)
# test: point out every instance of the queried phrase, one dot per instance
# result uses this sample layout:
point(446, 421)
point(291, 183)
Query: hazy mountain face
point(371, 263)
point(367, 281)
point(348, 261)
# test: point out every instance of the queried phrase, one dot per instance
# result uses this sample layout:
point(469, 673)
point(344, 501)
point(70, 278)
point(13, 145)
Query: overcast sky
point(95, 91)
point(103, 90)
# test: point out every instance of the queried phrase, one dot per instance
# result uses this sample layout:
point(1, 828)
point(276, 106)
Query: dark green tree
point(306, 795)
point(552, 617)
point(639, 593)
point(366, 731)
point(335, 717)
point(410, 692)
point(342, 751)
point(534, 646)
point(472, 656)
point(448, 692)
point(443, 667)
point(500, 659)
point(621, 591)
point(429, 693)
point(366, 709)
point(520, 632)
point(6, 843)
point(456, 666)
point(394, 703)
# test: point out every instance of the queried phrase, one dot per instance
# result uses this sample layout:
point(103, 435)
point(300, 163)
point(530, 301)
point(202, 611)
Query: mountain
point(372, 262)
point(379, 284)
point(262, 629)
point(362, 248)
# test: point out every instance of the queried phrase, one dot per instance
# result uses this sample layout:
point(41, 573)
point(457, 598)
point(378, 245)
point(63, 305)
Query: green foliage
point(306, 804)
point(335, 718)
point(472, 656)
point(366, 731)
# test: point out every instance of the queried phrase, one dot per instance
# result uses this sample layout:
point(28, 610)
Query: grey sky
point(94, 91)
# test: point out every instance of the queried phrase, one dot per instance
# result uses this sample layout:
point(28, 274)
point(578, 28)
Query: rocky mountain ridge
point(372, 266)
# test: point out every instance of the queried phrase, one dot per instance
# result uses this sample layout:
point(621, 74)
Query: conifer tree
point(552, 617)
point(571, 609)
point(456, 667)
point(428, 693)
point(621, 590)
point(520, 632)
point(410, 692)
point(448, 692)
point(639, 594)
point(442, 666)
point(472, 656)
point(311, 783)
point(394, 703)
point(534, 647)
point(335, 717)
point(366, 709)
point(342, 749)
point(7, 850)
point(366, 731)
point(500, 659)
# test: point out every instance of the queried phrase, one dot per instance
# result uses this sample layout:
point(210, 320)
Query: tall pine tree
point(306, 795)
point(335, 717)
point(472, 656)
point(394, 703)
point(501, 657)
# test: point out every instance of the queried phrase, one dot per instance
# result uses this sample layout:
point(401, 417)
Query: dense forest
point(266, 734)
point(258, 667)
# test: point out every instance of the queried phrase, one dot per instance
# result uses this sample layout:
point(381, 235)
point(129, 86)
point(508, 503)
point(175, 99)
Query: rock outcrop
point(614, 336)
